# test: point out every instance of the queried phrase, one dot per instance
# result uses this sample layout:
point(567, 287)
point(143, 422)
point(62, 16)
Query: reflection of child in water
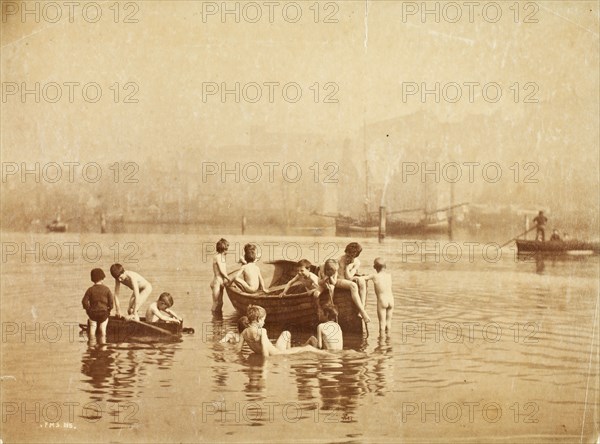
point(98, 301)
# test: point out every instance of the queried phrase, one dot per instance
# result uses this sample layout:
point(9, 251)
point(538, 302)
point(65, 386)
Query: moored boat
point(297, 308)
point(121, 330)
point(558, 247)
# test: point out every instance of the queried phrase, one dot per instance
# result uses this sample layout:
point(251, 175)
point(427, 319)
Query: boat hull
point(558, 247)
point(296, 310)
point(120, 330)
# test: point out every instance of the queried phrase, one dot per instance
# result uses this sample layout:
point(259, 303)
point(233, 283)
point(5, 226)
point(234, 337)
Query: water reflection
point(116, 375)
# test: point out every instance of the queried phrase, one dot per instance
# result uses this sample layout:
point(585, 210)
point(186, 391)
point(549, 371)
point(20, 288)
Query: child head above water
point(330, 312)
point(255, 313)
point(353, 249)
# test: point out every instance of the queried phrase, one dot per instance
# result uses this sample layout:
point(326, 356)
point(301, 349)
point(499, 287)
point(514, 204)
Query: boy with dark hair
point(98, 301)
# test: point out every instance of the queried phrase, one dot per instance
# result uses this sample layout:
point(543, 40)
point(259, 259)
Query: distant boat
point(57, 227)
point(347, 225)
point(297, 308)
point(558, 247)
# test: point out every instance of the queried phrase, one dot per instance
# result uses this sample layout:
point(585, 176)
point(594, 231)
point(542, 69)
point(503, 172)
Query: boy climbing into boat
point(255, 335)
point(138, 284)
point(220, 275)
point(329, 334)
point(310, 281)
point(304, 277)
point(161, 310)
point(382, 282)
point(98, 301)
point(349, 265)
point(329, 279)
point(249, 278)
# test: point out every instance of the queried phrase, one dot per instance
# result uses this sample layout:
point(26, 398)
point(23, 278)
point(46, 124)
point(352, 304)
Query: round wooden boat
point(297, 309)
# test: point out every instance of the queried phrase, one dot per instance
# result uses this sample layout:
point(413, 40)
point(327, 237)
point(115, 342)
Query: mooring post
point(382, 223)
point(243, 224)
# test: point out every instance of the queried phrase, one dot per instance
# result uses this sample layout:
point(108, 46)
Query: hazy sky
point(368, 61)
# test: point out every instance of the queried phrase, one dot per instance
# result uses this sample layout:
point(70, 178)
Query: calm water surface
point(481, 350)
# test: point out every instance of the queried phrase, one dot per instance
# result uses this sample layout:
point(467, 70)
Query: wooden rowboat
point(121, 330)
point(558, 247)
point(297, 309)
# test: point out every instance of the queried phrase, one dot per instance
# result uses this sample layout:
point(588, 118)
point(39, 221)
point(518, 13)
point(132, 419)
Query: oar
point(519, 235)
point(152, 327)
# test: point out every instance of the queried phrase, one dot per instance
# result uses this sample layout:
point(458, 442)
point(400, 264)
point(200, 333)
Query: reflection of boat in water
point(558, 247)
point(297, 308)
point(121, 330)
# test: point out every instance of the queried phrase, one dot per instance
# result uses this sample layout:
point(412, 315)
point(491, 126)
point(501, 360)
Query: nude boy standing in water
point(382, 282)
point(138, 284)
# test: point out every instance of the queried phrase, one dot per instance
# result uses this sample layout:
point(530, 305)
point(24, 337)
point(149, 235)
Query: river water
point(485, 346)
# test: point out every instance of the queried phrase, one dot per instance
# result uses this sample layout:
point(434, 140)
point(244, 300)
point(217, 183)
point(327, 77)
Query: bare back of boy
point(329, 336)
point(382, 282)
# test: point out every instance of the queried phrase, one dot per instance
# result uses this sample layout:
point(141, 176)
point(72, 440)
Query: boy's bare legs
point(362, 289)
point(92, 329)
point(217, 295)
point(381, 316)
point(142, 298)
point(389, 312)
point(284, 341)
point(103, 327)
point(244, 285)
point(342, 283)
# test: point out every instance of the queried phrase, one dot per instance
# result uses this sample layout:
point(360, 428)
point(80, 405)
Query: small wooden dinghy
point(121, 330)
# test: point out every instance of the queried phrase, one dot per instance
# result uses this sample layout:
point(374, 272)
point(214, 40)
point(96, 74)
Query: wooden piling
point(382, 223)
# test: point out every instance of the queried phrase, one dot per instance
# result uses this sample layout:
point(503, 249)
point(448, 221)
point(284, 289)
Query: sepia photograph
point(309, 221)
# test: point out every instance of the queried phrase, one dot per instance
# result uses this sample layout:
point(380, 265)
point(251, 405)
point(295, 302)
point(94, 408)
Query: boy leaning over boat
point(138, 284)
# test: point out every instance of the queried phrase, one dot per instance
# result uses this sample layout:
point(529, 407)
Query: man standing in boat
point(540, 223)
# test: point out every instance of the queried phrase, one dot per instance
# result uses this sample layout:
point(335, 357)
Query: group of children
point(252, 332)
point(99, 301)
point(342, 273)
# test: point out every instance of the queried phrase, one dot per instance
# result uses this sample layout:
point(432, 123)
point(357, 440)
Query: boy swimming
point(141, 290)
point(329, 334)
point(255, 335)
point(249, 278)
point(220, 275)
point(382, 282)
point(161, 310)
